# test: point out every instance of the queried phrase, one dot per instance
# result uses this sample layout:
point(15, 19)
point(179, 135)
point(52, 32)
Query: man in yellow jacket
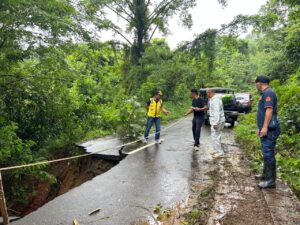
point(154, 107)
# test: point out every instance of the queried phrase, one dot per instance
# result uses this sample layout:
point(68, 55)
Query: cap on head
point(262, 79)
point(159, 93)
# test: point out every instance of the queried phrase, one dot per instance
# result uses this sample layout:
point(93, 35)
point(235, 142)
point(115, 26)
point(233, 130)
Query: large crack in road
point(171, 174)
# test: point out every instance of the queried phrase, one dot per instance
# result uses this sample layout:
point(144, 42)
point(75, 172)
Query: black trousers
point(197, 124)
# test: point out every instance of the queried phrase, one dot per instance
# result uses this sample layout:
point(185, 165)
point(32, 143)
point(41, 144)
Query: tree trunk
point(140, 25)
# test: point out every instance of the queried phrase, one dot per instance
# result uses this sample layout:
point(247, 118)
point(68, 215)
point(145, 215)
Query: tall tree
point(142, 18)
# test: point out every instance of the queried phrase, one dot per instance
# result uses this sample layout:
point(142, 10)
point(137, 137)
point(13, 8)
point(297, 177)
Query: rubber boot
point(270, 181)
point(263, 176)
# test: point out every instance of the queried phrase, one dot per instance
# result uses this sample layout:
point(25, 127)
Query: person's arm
point(147, 105)
point(268, 117)
point(200, 109)
point(269, 106)
point(215, 110)
point(189, 111)
point(165, 111)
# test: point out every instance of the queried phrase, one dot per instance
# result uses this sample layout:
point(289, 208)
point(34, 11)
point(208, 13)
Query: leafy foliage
point(132, 119)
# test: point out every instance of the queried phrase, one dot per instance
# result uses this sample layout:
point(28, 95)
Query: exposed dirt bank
point(68, 175)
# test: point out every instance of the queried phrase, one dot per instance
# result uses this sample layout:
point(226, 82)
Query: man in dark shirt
point(198, 107)
point(268, 131)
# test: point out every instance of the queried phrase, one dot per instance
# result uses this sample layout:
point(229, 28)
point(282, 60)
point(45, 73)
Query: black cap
point(262, 79)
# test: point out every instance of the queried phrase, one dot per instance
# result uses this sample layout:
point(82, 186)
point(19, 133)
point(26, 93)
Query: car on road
point(245, 100)
point(231, 106)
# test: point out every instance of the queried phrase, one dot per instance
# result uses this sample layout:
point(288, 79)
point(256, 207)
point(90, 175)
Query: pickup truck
point(231, 106)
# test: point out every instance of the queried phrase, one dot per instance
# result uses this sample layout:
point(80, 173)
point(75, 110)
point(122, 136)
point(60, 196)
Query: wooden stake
point(3, 203)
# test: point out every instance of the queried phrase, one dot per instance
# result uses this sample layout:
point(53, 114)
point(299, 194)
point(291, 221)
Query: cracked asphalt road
point(158, 174)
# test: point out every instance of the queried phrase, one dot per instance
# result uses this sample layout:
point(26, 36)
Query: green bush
point(227, 99)
point(246, 137)
point(132, 119)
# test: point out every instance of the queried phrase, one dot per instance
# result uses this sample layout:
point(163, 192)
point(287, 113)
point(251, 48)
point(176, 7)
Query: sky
point(207, 14)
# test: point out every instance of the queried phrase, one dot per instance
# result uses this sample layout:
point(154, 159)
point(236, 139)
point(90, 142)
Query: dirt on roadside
point(237, 200)
point(227, 194)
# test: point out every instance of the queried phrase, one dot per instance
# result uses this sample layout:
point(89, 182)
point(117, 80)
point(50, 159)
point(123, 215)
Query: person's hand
point(257, 132)
point(263, 132)
point(168, 112)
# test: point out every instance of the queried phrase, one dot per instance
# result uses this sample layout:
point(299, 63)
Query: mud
point(224, 192)
point(68, 176)
point(237, 200)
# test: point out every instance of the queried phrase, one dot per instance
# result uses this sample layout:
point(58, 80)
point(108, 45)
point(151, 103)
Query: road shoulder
point(230, 196)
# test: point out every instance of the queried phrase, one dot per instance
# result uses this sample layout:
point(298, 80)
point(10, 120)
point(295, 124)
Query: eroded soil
point(68, 176)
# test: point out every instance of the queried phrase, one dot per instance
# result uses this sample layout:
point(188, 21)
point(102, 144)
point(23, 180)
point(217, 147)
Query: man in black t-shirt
point(198, 107)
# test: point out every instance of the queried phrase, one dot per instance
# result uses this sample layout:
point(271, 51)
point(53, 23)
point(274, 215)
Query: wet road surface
point(158, 174)
point(105, 144)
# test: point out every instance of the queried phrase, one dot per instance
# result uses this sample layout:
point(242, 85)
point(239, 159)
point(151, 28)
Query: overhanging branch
point(116, 12)
point(121, 34)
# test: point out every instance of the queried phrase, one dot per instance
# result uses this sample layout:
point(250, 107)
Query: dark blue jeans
point(268, 146)
point(197, 124)
point(149, 124)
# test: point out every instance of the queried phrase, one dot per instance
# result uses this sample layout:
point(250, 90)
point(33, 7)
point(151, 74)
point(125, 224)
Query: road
point(158, 174)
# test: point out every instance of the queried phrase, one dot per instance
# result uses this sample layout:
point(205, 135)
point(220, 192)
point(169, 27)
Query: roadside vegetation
point(278, 56)
point(288, 144)
point(55, 91)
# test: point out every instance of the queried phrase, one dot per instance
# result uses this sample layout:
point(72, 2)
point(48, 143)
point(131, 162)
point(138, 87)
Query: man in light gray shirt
point(217, 121)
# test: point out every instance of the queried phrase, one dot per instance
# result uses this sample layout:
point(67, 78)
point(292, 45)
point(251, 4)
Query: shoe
point(159, 141)
point(263, 176)
point(259, 177)
point(196, 148)
point(267, 184)
point(145, 141)
point(270, 177)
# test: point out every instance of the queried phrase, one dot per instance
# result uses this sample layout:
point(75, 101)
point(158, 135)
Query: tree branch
point(151, 20)
point(116, 12)
point(123, 10)
point(130, 5)
point(153, 32)
point(147, 3)
point(2, 43)
point(154, 16)
point(160, 6)
point(122, 35)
